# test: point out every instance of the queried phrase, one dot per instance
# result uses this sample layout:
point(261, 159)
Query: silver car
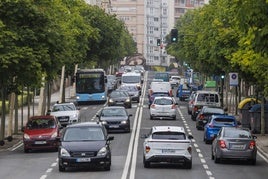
point(167, 144)
point(163, 107)
point(234, 143)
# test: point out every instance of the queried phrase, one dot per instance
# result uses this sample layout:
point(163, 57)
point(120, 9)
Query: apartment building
point(150, 20)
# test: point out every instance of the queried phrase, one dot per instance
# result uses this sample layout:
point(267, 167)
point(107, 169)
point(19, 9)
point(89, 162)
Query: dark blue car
point(215, 124)
point(183, 92)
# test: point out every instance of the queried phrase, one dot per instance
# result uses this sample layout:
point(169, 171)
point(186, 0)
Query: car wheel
point(253, 161)
point(61, 168)
point(151, 117)
point(212, 155)
point(216, 159)
point(26, 150)
point(107, 167)
point(188, 164)
point(138, 100)
point(146, 164)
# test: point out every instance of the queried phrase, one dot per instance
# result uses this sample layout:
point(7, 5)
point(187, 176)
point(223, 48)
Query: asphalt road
point(127, 154)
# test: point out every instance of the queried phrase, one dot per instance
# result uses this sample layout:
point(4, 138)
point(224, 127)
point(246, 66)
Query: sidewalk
point(17, 138)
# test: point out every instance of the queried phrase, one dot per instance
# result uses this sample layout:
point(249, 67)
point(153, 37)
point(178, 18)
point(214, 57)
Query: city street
point(127, 153)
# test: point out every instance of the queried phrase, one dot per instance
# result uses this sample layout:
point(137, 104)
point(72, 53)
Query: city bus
point(90, 85)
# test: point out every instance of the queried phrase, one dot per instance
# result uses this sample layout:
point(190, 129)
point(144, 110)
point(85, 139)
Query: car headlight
point(127, 100)
point(74, 115)
point(124, 122)
point(26, 136)
point(111, 100)
point(102, 152)
point(104, 122)
point(64, 153)
point(77, 97)
point(102, 97)
point(54, 135)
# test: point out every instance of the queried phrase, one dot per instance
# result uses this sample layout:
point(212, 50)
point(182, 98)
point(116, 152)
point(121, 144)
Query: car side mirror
point(110, 138)
point(190, 137)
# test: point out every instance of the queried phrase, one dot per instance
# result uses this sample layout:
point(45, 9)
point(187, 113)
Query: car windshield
point(163, 101)
point(113, 112)
point(169, 135)
point(63, 108)
point(129, 88)
point(83, 134)
point(41, 124)
point(117, 94)
point(234, 133)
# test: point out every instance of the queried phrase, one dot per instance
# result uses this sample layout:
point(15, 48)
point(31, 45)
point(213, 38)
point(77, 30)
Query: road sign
point(233, 79)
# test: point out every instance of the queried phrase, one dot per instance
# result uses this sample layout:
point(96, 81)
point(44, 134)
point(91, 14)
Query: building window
point(156, 19)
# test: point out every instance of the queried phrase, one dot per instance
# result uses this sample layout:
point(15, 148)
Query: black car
point(132, 90)
point(120, 98)
point(84, 145)
point(206, 112)
point(115, 118)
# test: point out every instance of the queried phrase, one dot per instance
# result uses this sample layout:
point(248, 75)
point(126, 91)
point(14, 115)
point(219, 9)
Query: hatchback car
point(155, 94)
point(204, 115)
point(167, 144)
point(66, 113)
point(41, 132)
point(234, 143)
point(163, 107)
point(120, 98)
point(215, 124)
point(115, 118)
point(85, 145)
point(133, 91)
point(174, 81)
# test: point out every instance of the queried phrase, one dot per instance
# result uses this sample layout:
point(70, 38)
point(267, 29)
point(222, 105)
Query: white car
point(66, 113)
point(167, 144)
point(163, 107)
point(174, 80)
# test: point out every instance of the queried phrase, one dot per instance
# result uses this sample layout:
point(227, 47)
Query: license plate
point(64, 119)
point(170, 151)
point(238, 147)
point(40, 142)
point(114, 126)
point(83, 160)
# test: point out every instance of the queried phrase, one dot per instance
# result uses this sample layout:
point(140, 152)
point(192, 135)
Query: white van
point(160, 86)
point(131, 78)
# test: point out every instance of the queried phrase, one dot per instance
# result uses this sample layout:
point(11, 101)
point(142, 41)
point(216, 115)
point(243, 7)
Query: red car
point(41, 132)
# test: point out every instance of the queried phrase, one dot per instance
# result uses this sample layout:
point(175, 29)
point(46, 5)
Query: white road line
point(43, 176)
point(49, 170)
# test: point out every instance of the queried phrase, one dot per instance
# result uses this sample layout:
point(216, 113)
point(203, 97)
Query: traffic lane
point(164, 171)
point(119, 151)
point(236, 169)
point(17, 164)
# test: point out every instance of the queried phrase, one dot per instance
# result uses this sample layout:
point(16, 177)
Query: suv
point(167, 144)
point(83, 145)
point(66, 113)
point(204, 98)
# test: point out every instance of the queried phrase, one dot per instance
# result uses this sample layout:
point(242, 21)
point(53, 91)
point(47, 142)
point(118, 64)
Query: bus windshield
point(92, 83)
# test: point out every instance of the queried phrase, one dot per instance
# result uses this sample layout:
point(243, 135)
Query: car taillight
point(170, 93)
point(195, 108)
point(191, 102)
point(211, 125)
point(173, 106)
point(147, 149)
point(252, 145)
point(189, 149)
point(152, 106)
point(201, 117)
point(222, 144)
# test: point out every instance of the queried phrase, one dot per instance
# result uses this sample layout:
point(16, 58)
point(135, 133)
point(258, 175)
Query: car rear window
point(207, 97)
point(169, 135)
point(163, 101)
point(224, 120)
point(234, 133)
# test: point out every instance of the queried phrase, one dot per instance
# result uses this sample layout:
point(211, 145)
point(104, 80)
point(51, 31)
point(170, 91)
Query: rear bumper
point(236, 154)
point(168, 158)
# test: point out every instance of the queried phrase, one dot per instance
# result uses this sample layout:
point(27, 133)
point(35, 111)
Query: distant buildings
point(149, 20)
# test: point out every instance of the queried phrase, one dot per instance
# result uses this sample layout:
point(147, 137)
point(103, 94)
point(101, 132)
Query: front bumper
point(41, 144)
point(236, 154)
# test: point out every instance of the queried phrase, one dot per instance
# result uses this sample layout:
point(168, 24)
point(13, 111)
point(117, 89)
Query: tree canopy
point(226, 36)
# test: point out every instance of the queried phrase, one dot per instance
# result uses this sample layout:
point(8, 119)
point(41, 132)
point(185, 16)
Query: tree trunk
point(16, 119)
point(3, 114)
point(11, 112)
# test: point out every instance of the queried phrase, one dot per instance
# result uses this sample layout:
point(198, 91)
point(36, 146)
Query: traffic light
point(158, 42)
point(174, 35)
